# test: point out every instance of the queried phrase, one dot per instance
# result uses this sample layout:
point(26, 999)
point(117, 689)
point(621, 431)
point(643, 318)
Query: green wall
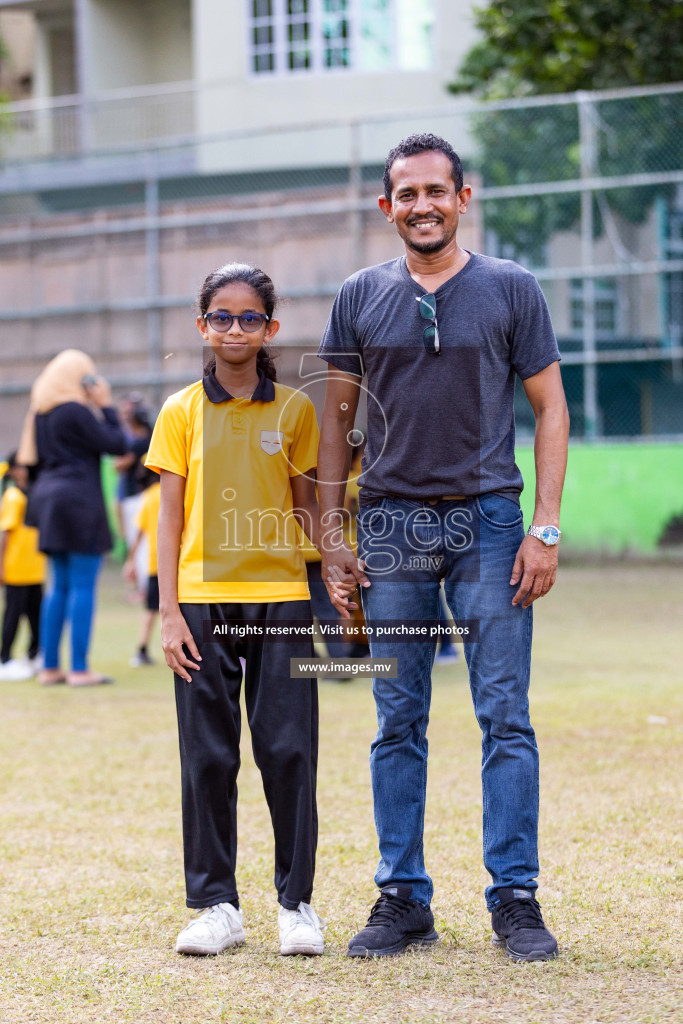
point(616, 496)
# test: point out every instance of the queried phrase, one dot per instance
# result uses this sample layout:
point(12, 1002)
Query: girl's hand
point(175, 636)
point(342, 572)
point(129, 571)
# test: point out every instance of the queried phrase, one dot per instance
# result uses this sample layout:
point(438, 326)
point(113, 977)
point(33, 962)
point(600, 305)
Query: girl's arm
point(174, 630)
point(307, 515)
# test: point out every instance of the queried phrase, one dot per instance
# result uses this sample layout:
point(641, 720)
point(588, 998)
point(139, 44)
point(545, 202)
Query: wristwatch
point(550, 535)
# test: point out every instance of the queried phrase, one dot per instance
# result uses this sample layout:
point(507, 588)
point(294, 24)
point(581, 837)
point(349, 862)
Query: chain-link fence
point(106, 233)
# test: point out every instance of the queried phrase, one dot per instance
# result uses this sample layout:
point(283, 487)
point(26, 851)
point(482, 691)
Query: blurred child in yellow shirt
point(147, 530)
point(22, 570)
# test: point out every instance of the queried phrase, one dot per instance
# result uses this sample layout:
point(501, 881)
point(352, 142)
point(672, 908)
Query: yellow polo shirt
point(146, 521)
point(24, 563)
point(238, 456)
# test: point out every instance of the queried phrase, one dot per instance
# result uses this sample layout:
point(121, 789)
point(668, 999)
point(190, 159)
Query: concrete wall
point(138, 42)
point(232, 98)
point(17, 31)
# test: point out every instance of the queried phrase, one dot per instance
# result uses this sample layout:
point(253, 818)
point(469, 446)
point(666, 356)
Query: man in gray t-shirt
point(440, 335)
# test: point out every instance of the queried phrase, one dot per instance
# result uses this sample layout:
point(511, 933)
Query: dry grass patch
point(90, 846)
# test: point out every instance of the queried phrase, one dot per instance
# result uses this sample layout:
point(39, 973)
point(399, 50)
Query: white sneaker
point(36, 663)
point(14, 670)
point(216, 929)
point(301, 931)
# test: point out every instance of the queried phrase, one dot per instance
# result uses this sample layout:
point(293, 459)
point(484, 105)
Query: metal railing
point(586, 190)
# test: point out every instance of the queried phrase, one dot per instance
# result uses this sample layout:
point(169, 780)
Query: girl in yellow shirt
point(22, 570)
point(236, 453)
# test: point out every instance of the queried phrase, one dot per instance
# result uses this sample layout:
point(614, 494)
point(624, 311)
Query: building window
point(290, 36)
point(336, 34)
point(606, 308)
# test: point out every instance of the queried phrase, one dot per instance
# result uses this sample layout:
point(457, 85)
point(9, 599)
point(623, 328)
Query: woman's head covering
point(61, 381)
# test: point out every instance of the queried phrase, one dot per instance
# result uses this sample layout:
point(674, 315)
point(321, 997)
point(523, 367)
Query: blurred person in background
point(22, 571)
point(147, 532)
point(133, 479)
point(70, 425)
point(447, 653)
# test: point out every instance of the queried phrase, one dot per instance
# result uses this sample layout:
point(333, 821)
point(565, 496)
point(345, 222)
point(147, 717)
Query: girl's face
point(236, 347)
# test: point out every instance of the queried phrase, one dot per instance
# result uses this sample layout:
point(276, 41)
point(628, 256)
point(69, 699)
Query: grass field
point(92, 890)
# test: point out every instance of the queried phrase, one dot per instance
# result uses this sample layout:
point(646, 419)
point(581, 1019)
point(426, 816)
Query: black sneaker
point(395, 922)
point(141, 659)
point(518, 926)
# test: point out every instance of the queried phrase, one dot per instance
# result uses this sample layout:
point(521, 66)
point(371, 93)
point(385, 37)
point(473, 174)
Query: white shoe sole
point(302, 949)
point(199, 949)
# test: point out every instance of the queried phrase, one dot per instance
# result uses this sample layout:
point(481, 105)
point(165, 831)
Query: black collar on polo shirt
point(215, 392)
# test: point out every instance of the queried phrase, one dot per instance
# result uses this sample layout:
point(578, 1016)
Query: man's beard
point(435, 245)
point(426, 247)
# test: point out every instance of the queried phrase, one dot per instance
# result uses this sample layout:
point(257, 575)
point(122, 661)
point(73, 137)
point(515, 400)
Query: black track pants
point(283, 718)
point(21, 600)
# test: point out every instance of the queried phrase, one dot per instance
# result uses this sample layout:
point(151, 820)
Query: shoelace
point(388, 909)
point(308, 916)
point(522, 913)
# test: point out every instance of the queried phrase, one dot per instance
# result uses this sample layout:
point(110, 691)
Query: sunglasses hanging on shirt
point(431, 333)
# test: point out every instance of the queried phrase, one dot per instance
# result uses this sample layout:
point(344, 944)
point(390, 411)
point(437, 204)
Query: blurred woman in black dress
point(71, 424)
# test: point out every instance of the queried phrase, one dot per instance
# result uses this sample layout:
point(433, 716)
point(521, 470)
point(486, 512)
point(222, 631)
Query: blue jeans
point(409, 546)
point(71, 596)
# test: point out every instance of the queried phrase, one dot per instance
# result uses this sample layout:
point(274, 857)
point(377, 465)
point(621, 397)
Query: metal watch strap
point(537, 532)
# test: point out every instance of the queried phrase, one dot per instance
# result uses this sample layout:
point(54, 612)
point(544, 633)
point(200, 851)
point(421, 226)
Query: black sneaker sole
point(412, 939)
point(500, 942)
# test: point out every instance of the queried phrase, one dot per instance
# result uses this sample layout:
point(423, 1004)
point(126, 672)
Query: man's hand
point(342, 572)
point(174, 634)
point(536, 567)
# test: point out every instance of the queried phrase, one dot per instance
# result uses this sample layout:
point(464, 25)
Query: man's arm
point(535, 566)
point(340, 569)
point(306, 510)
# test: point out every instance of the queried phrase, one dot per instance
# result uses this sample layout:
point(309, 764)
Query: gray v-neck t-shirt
point(441, 424)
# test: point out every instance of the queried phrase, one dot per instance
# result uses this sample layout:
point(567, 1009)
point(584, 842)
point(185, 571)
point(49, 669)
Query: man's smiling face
point(424, 205)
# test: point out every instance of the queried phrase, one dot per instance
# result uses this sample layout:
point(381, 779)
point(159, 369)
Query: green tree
point(551, 46)
point(558, 46)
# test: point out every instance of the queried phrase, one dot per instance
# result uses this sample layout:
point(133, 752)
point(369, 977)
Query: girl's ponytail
point(265, 363)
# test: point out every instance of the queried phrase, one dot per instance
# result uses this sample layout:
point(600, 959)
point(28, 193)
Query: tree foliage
point(551, 46)
point(559, 46)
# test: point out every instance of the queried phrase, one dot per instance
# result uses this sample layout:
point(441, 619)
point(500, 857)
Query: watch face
point(550, 535)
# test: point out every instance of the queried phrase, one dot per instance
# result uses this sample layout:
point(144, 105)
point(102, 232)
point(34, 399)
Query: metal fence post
point(588, 158)
point(153, 282)
point(355, 196)
point(83, 80)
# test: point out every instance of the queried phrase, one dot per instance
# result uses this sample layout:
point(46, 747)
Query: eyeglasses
point(222, 321)
point(431, 334)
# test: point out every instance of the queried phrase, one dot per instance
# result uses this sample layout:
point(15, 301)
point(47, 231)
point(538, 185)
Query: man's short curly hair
point(422, 143)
